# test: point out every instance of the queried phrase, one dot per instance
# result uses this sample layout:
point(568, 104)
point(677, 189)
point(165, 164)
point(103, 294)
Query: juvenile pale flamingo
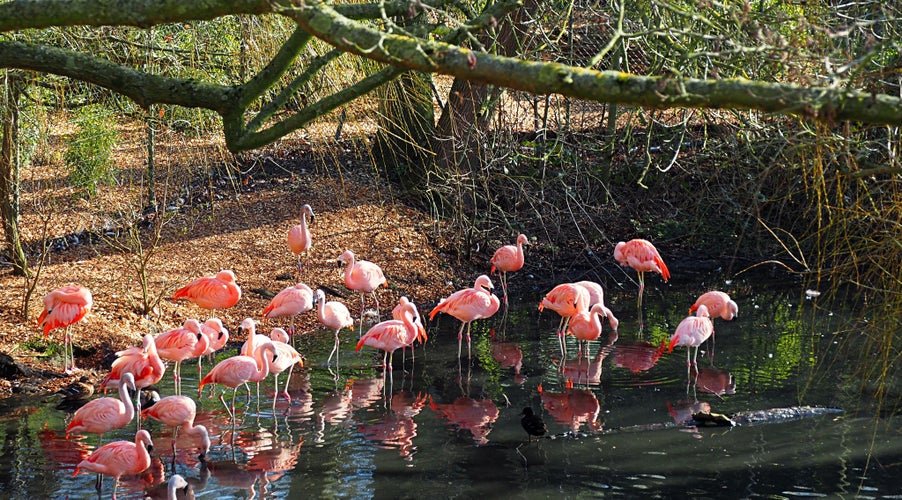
point(596, 296)
point(299, 240)
point(719, 305)
point(364, 277)
point(144, 363)
point(334, 316)
point(642, 256)
point(179, 412)
point(285, 359)
point(692, 332)
point(179, 344)
point(289, 303)
point(118, 458)
point(238, 370)
point(565, 299)
point(102, 415)
point(508, 259)
point(468, 305)
point(211, 292)
point(64, 307)
point(393, 334)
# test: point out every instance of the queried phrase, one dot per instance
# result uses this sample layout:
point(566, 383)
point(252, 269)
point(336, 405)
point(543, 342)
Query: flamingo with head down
point(211, 292)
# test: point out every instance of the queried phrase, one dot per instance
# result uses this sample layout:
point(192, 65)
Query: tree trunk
point(9, 172)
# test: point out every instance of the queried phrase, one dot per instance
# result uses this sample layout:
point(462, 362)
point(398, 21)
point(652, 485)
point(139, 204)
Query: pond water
point(437, 427)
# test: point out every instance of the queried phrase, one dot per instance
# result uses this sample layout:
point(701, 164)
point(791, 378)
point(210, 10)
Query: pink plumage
point(468, 305)
point(334, 316)
point(394, 334)
point(642, 256)
point(143, 362)
point(179, 412)
point(102, 415)
point(65, 306)
point(299, 240)
point(119, 458)
point(212, 292)
point(692, 332)
point(718, 303)
point(508, 259)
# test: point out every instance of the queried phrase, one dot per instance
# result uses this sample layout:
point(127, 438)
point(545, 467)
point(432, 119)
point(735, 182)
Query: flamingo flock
point(580, 306)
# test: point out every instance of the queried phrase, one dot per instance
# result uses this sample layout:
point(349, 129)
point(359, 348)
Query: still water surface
point(435, 427)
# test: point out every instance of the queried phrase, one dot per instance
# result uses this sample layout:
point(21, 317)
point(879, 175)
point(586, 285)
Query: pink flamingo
point(398, 313)
point(334, 316)
point(144, 363)
point(179, 344)
point(642, 256)
point(212, 292)
point(218, 337)
point(692, 332)
point(468, 305)
point(364, 277)
point(118, 458)
point(566, 299)
point(596, 296)
point(285, 359)
point(393, 334)
point(586, 325)
point(179, 413)
point(509, 258)
point(102, 415)
point(289, 303)
point(719, 305)
point(238, 370)
point(64, 307)
point(299, 240)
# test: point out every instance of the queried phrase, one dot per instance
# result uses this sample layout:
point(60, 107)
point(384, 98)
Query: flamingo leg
point(469, 325)
point(287, 380)
point(376, 300)
point(641, 287)
point(459, 337)
point(362, 307)
point(334, 351)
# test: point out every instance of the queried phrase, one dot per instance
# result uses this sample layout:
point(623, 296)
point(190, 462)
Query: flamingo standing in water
point(692, 332)
point(393, 334)
point(179, 412)
point(364, 277)
point(118, 458)
point(596, 296)
point(509, 258)
point(719, 305)
point(211, 292)
point(102, 415)
point(144, 363)
point(299, 240)
point(64, 307)
point(218, 337)
point(565, 299)
point(334, 316)
point(586, 325)
point(642, 256)
point(239, 370)
point(179, 344)
point(285, 359)
point(398, 313)
point(468, 305)
point(290, 303)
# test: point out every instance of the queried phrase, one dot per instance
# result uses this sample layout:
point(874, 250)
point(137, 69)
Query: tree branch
point(818, 103)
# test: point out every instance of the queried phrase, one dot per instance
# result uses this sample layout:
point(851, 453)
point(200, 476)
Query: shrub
point(88, 155)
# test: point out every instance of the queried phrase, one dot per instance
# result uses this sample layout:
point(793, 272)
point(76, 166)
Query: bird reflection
point(396, 429)
point(585, 370)
point(366, 392)
point(715, 381)
point(509, 355)
point(573, 407)
point(637, 356)
point(474, 415)
point(230, 474)
point(63, 454)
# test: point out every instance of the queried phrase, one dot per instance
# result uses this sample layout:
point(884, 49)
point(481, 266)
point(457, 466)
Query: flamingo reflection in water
point(473, 415)
point(508, 355)
point(62, 453)
point(715, 381)
point(573, 407)
point(637, 357)
point(396, 429)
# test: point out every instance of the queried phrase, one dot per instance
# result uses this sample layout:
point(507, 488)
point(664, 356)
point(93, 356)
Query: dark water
point(435, 427)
